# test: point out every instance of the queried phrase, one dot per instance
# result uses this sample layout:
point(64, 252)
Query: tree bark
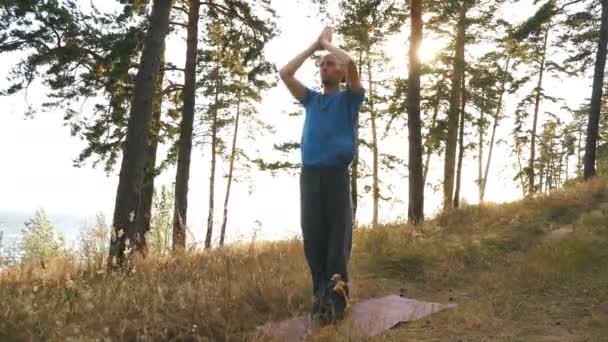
point(521, 175)
point(535, 121)
point(596, 96)
point(375, 187)
point(355, 166)
point(144, 213)
point(125, 232)
point(567, 166)
point(214, 128)
point(496, 119)
point(540, 177)
point(460, 143)
point(453, 113)
point(416, 180)
point(480, 156)
point(182, 177)
point(428, 139)
point(231, 167)
point(579, 163)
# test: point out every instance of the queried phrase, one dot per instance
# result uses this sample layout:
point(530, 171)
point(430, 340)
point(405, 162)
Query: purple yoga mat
point(371, 317)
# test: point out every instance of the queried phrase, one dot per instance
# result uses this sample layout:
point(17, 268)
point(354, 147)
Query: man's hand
point(325, 38)
point(287, 73)
point(352, 75)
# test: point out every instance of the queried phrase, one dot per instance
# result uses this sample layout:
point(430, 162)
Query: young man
point(328, 141)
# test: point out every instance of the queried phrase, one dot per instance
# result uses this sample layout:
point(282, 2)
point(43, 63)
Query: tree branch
point(570, 3)
point(173, 68)
point(227, 10)
point(172, 88)
point(182, 9)
point(178, 24)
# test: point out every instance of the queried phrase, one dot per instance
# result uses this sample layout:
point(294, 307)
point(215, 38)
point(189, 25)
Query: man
point(327, 144)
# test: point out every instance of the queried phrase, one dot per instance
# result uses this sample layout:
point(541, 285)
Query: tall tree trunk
point(563, 164)
point(480, 156)
point(375, 188)
point(535, 122)
point(231, 167)
point(354, 192)
point(567, 167)
point(130, 181)
point(180, 212)
point(453, 113)
point(428, 138)
point(214, 129)
point(579, 163)
point(144, 213)
point(540, 176)
point(558, 172)
point(596, 96)
point(460, 143)
point(416, 181)
point(521, 174)
point(496, 118)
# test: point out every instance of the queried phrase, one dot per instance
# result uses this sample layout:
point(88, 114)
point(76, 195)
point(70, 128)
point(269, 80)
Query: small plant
point(40, 243)
point(94, 242)
point(160, 235)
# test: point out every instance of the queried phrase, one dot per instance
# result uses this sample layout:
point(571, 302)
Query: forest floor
point(532, 270)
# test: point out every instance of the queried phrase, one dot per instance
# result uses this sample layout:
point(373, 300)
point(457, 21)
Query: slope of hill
point(533, 270)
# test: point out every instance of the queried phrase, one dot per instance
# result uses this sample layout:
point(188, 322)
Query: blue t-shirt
point(328, 137)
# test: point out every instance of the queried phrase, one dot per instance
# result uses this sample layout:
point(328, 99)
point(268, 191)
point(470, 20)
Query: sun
point(428, 50)
point(396, 47)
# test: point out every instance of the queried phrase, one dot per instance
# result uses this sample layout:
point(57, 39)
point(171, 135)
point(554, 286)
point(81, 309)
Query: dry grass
point(510, 282)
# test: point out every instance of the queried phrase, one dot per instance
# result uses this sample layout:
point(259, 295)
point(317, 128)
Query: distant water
point(13, 222)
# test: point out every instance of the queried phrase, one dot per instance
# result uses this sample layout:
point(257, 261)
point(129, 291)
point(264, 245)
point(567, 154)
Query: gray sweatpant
point(326, 219)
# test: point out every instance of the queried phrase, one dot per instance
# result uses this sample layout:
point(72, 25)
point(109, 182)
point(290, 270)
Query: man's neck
point(330, 89)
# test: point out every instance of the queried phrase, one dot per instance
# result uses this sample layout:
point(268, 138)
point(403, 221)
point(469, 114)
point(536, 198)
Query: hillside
point(533, 270)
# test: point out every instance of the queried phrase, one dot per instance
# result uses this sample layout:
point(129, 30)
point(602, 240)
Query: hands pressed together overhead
point(323, 42)
point(325, 38)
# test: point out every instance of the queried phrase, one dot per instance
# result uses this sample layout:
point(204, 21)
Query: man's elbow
point(284, 73)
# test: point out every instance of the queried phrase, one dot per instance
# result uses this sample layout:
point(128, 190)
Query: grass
point(510, 281)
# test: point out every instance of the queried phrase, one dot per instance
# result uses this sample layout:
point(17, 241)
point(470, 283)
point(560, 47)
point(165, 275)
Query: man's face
point(331, 69)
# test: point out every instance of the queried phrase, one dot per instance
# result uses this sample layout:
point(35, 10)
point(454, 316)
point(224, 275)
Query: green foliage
point(77, 56)
point(233, 75)
point(580, 35)
point(537, 23)
point(92, 56)
point(40, 242)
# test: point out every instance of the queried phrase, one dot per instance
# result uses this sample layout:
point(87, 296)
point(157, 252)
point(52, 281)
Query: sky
point(37, 154)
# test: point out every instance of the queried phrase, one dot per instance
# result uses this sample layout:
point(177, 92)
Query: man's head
point(331, 69)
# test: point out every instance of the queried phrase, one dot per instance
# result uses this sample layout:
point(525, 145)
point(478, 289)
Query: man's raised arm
point(352, 74)
point(296, 88)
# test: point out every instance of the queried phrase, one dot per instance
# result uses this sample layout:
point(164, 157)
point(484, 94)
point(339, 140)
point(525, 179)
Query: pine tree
point(234, 64)
point(416, 182)
point(454, 110)
point(596, 96)
point(186, 127)
point(77, 56)
point(251, 77)
point(40, 243)
point(126, 234)
point(364, 26)
point(94, 243)
point(160, 234)
point(533, 40)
